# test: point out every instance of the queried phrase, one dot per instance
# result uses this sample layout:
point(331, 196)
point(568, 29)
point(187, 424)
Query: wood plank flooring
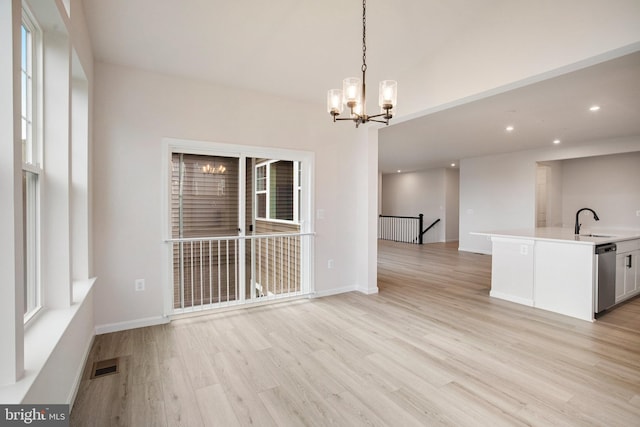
point(432, 348)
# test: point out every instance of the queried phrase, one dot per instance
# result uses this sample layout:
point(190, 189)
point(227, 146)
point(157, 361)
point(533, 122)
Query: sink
point(596, 235)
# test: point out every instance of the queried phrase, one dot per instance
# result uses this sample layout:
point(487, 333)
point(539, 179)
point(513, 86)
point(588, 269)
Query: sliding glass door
point(236, 234)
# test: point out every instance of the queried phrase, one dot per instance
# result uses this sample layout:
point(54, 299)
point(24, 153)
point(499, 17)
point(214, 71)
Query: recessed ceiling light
point(453, 165)
point(399, 171)
point(509, 128)
point(594, 108)
point(556, 141)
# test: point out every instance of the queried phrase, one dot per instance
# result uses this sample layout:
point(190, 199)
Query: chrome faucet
point(595, 216)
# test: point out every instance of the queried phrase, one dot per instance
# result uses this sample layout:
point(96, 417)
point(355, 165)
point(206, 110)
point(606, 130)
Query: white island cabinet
point(627, 271)
point(555, 270)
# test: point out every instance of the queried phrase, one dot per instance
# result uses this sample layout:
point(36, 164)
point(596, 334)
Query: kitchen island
point(556, 270)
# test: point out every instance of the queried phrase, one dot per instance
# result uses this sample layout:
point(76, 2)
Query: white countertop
point(586, 237)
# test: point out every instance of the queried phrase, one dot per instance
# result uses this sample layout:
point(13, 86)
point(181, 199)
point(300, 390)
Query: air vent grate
point(105, 367)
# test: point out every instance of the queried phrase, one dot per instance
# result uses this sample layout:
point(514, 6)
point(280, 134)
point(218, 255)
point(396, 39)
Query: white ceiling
point(301, 48)
point(556, 108)
point(295, 48)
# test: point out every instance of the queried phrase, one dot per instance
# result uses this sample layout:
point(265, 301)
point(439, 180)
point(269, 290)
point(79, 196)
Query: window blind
point(204, 196)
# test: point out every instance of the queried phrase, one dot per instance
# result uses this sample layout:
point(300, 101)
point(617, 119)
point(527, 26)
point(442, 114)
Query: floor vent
point(105, 367)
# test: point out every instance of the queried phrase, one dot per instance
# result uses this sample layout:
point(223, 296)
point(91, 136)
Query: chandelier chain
point(364, 35)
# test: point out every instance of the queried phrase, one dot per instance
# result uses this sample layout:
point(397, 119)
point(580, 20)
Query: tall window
point(31, 165)
point(278, 190)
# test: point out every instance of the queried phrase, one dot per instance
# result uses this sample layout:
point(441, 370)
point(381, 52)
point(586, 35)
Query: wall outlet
point(330, 264)
point(139, 285)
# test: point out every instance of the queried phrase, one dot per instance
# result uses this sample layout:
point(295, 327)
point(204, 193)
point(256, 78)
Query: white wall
point(135, 109)
point(498, 192)
point(610, 185)
point(452, 204)
point(11, 249)
point(434, 193)
point(553, 196)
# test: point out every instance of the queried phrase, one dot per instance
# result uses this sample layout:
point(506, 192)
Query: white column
point(56, 228)
point(11, 243)
point(367, 212)
point(372, 210)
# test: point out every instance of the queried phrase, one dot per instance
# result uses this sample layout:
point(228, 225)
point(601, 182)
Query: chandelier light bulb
point(334, 102)
point(388, 94)
point(357, 109)
point(352, 90)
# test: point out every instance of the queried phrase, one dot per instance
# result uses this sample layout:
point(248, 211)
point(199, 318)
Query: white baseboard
point(344, 289)
point(511, 298)
point(475, 251)
point(335, 291)
point(368, 291)
point(131, 324)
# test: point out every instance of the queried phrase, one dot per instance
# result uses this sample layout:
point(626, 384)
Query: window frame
point(295, 192)
point(261, 191)
point(32, 161)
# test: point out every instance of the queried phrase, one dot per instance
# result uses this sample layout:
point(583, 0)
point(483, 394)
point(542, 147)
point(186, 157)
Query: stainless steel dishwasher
point(606, 285)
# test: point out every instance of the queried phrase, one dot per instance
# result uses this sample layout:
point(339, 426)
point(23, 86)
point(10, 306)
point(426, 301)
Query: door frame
point(242, 152)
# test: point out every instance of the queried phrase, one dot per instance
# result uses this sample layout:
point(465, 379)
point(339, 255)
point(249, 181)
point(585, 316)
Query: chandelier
point(213, 170)
point(353, 92)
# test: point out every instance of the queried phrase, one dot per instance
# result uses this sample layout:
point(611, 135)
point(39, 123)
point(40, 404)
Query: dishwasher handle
point(608, 247)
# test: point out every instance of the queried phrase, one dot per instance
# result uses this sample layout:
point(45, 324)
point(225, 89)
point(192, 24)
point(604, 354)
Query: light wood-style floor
point(432, 348)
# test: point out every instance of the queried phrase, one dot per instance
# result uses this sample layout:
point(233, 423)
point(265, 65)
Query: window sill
point(31, 317)
point(42, 336)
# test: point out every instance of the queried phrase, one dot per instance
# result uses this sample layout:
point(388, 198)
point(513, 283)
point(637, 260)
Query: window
point(278, 190)
point(31, 164)
point(27, 92)
point(261, 191)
